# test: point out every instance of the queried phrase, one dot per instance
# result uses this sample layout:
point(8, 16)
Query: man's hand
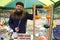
point(17, 29)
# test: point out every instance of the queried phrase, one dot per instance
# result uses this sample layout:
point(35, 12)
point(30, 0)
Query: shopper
point(18, 19)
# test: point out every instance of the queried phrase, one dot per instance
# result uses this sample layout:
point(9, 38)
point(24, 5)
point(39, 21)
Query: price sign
point(24, 37)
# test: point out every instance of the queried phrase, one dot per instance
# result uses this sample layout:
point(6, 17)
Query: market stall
point(36, 29)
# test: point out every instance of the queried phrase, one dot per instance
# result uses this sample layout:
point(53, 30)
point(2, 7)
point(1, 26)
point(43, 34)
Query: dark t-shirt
point(22, 26)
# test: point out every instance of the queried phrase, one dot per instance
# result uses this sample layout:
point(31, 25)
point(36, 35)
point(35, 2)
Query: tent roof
point(27, 3)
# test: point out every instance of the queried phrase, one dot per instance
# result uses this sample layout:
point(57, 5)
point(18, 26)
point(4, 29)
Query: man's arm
point(10, 22)
point(30, 16)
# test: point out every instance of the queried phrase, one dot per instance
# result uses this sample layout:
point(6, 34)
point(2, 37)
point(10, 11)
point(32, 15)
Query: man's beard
point(18, 13)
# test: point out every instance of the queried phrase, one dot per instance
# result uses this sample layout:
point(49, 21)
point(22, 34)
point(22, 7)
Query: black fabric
point(56, 32)
point(46, 26)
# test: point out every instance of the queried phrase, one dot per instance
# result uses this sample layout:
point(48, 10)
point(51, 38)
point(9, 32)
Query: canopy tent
point(27, 3)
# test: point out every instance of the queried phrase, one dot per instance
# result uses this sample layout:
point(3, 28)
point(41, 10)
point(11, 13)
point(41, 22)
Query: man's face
point(19, 8)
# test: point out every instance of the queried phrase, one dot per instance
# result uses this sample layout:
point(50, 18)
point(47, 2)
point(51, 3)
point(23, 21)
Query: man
point(18, 19)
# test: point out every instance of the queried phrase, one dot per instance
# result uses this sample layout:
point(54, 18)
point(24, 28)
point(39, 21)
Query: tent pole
point(50, 21)
point(34, 8)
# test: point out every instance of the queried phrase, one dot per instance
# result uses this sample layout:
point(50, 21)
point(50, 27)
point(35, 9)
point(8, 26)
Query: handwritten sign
point(24, 37)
